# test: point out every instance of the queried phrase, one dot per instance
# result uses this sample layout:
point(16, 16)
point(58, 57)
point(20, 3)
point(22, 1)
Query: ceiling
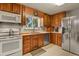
point(51, 8)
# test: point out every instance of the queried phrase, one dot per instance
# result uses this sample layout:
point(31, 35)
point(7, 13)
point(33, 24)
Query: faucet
point(33, 29)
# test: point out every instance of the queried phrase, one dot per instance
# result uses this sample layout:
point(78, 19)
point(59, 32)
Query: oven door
point(8, 47)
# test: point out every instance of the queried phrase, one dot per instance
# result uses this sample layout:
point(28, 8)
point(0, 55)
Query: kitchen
point(29, 29)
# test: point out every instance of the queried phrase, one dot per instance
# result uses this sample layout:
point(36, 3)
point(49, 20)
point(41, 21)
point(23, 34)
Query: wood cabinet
point(40, 40)
point(23, 20)
point(37, 41)
point(46, 20)
point(40, 14)
point(26, 44)
point(16, 8)
point(59, 39)
point(56, 38)
point(28, 10)
point(56, 19)
point(11, 7)
point(6, 7)
point(53, 38)
point(34, 42)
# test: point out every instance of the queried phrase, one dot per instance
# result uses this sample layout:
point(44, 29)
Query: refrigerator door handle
point(77, 37)
point(63, 30)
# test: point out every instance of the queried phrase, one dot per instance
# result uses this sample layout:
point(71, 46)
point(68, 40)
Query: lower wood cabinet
point(53, 38)
point(26, 44)
point(32, 42)
point(40, 40)
point(56, 38)
point(59, 39)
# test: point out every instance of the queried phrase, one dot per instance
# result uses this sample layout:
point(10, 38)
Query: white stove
point(10, 44)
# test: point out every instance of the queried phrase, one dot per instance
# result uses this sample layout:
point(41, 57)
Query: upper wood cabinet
point(23, 21)
point(46, 20)
point(60, 16)
point(40, 14)
point(11, 7)
point(16, 8)
point(28, 10)
point(56, 19)
point(6, 7)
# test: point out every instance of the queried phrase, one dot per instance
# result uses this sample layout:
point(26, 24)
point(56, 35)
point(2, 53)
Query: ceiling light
point(58, 4)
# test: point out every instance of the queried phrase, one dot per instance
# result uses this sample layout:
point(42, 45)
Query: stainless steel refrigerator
point(70, 31)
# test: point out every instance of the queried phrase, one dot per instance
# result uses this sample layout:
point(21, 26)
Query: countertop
point(34, 33)
point(56, 32)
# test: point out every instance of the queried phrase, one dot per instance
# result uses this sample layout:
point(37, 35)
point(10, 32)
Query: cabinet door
point(29, 10)
point(26, 44)
point(61, 15)
point(16, 8)
point(45, 20)
point(53, 38)
point(59, 39)
point(23, 21)
point(40, 14)
point(34, 42)
point(48, 17)
point(54, 20)
point(40, 40)
point(6, 7)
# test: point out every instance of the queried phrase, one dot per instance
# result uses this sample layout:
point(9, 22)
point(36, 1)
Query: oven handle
point(7, 41)
point(1, 39)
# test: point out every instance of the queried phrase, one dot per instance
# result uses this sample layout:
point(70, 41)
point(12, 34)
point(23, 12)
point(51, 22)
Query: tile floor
point(53, 50)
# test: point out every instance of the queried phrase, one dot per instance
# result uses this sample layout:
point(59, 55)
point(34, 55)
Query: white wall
point(74, 12)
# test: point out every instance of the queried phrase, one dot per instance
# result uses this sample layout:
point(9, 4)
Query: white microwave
point(9, 17)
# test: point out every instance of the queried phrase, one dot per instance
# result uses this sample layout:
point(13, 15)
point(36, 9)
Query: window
point(33, 22)
point(29, 22)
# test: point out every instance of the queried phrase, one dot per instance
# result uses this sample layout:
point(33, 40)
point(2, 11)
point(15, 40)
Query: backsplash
point(56, 29)
point(25, 29)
